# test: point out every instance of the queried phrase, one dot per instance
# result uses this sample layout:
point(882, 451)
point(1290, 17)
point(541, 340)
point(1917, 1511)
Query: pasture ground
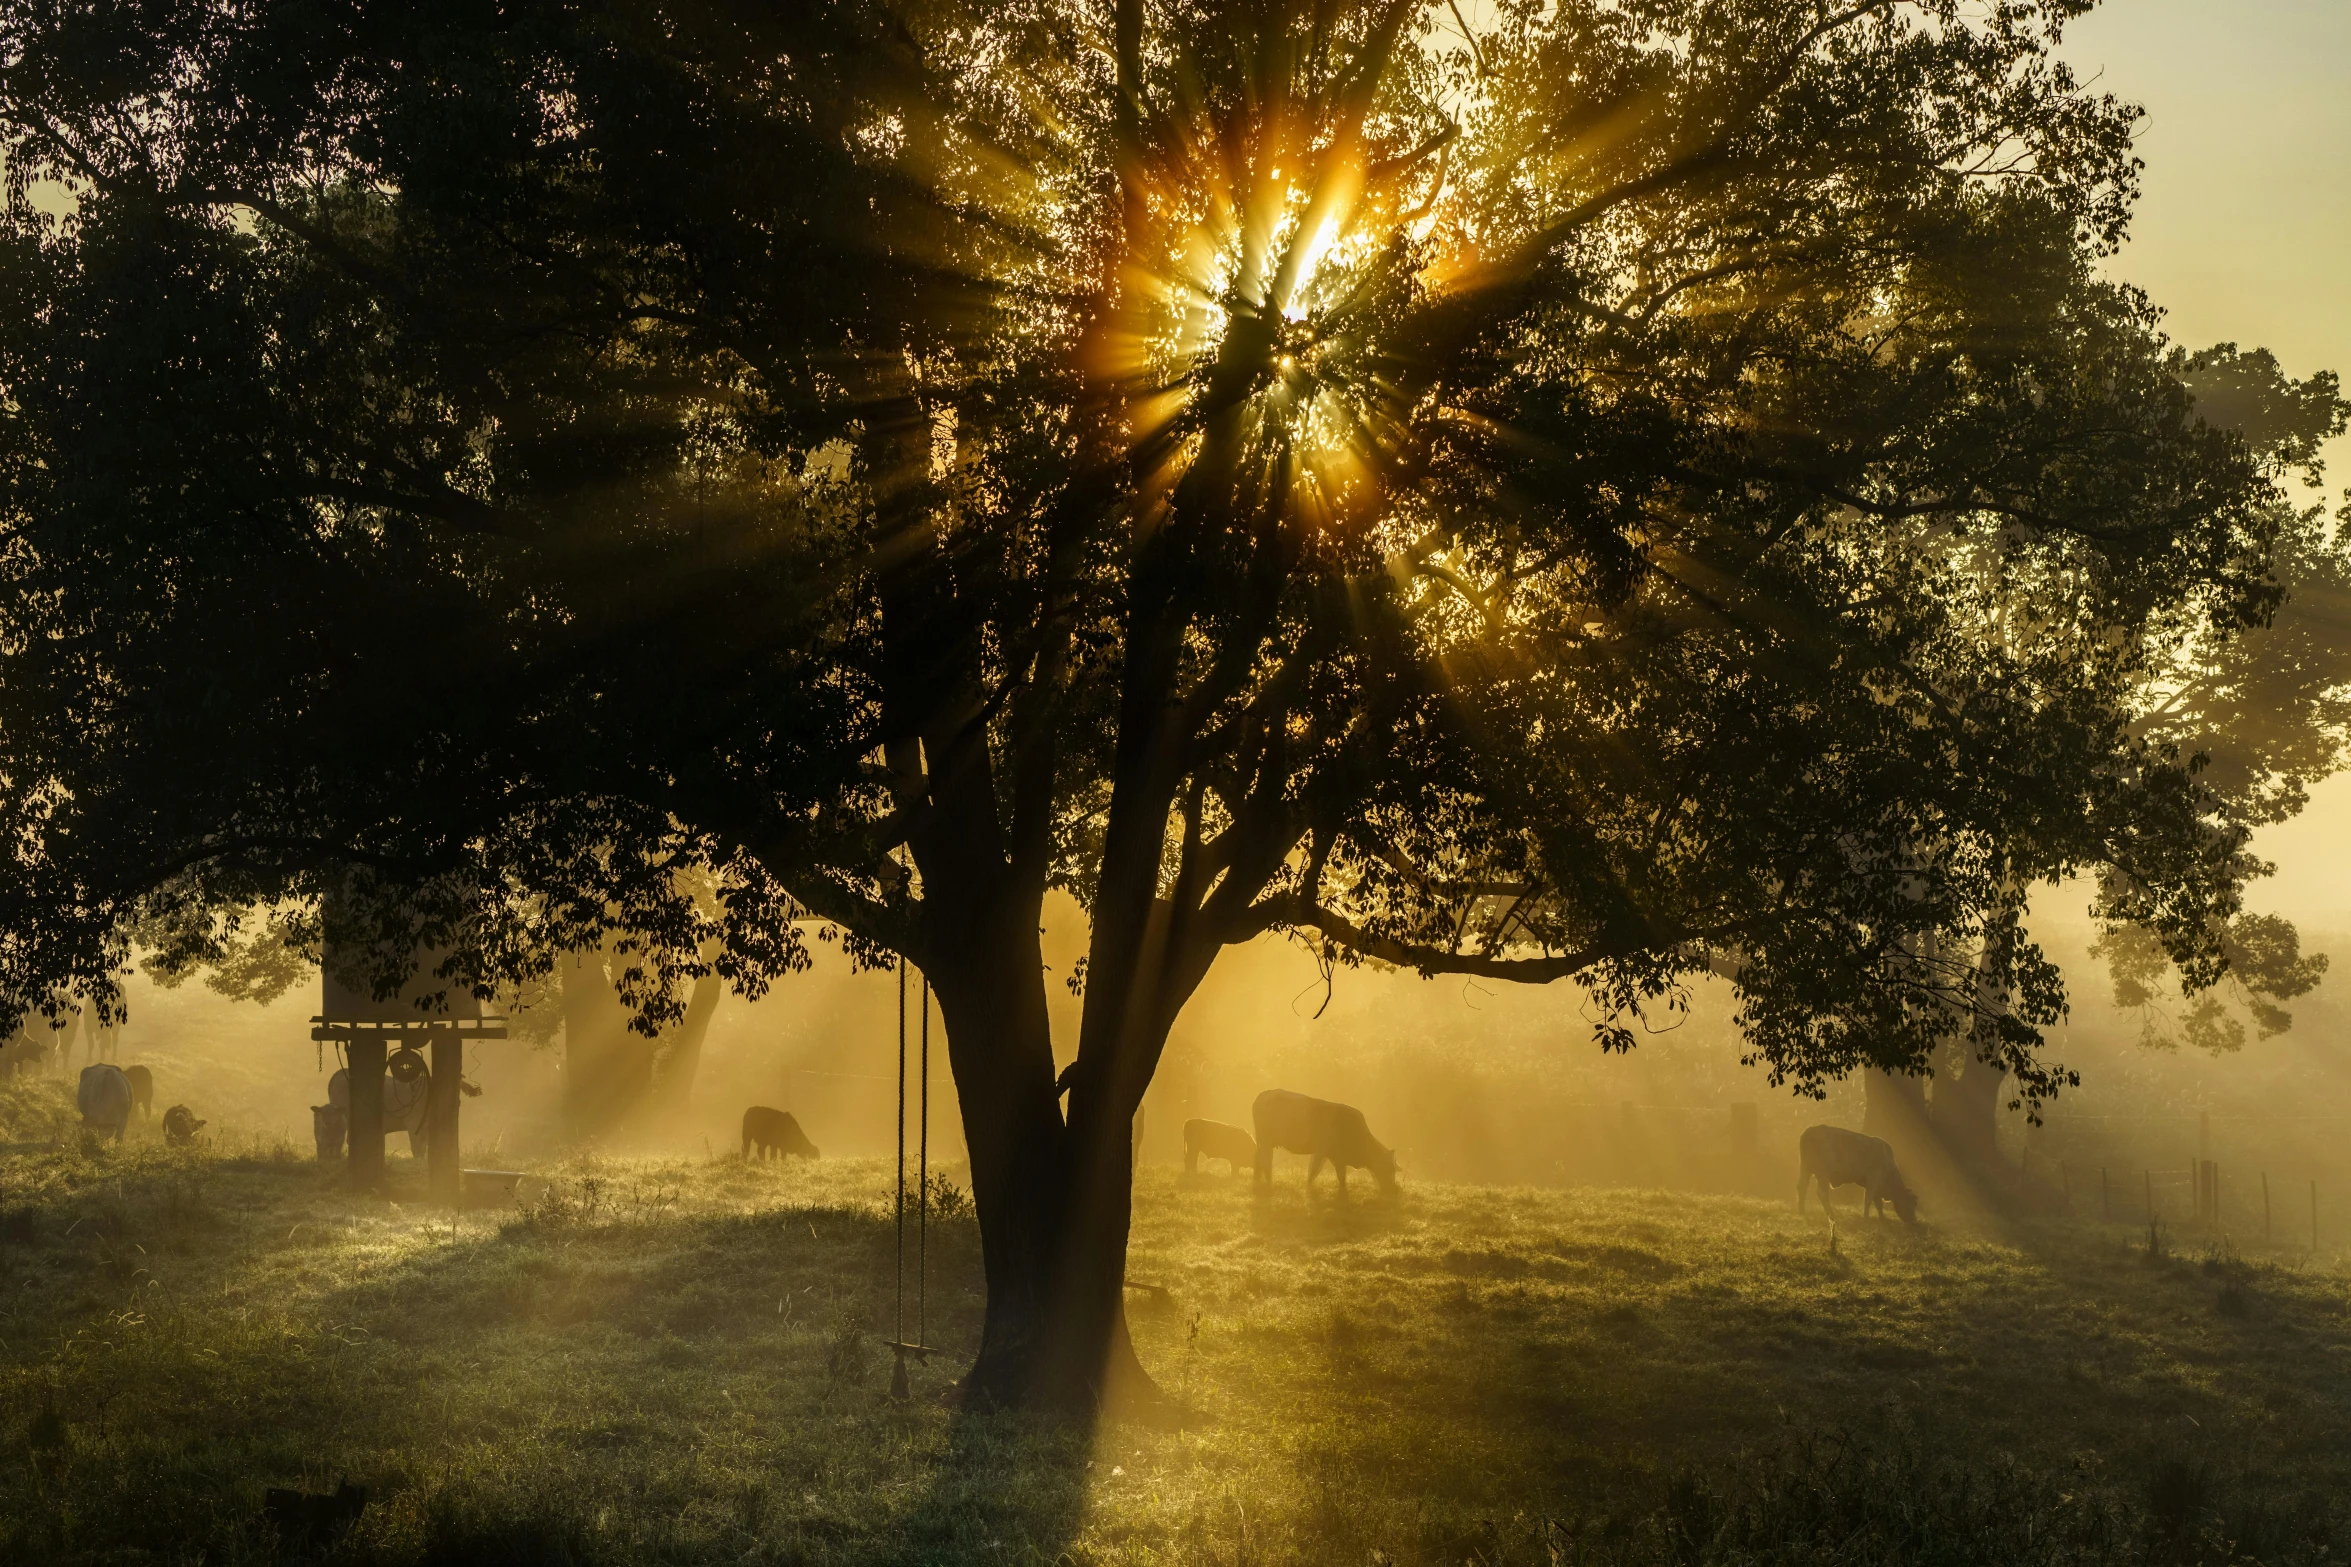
point(677, 1361)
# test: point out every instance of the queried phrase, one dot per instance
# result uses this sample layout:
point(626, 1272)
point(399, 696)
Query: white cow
point(104, 1097)
point(404, 1106)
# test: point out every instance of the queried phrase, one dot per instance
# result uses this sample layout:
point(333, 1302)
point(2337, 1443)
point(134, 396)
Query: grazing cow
point(1215, 1140)
point(142, 1089)
point(180, 1126)
point(329, 1124)
point(1835, 1157)
point(405, 1106)
point(774, 1131)
point(1323, 1131)
point(104, 1098)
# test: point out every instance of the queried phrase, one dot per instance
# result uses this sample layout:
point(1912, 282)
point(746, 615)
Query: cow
point(142, 1089)
point(180, 1126)
point(1215, 1140)
point(328, 1124)
point(104, 1098)
point(1323, 1131)
point(774, 1131)
point(1835, 1157)
point(405, 1103)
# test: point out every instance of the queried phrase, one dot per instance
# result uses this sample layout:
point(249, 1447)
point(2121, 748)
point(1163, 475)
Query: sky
point(2244, 235)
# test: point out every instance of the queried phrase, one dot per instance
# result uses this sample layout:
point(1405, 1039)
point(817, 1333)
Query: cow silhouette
point(1832, 1156)
point(1324, 1132)
point(1215, 1140)
point(774, 1132)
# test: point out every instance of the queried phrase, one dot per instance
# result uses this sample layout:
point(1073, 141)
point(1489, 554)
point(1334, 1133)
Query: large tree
point(1647, 487)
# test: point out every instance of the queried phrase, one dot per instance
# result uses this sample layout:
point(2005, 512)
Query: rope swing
point(900, 1345)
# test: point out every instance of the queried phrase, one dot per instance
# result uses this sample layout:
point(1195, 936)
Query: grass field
point(677, 1361)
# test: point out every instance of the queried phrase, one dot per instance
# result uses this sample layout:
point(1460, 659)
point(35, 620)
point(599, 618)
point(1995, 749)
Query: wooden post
point(2265, 1205)
point(367, 1110)
point(441, 1160)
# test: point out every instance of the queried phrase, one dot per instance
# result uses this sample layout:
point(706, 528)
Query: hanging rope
point(922, 1175)
point(898, 1327)
point(900, 1346)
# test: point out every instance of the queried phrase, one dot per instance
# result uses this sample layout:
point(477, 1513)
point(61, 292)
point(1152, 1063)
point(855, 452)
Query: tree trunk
point(1966, 1108)
point(681, 1050)
point(1053, 1196)
point(607, 1067)
point(1894, 1107)
point(1966, 1111)
point(991, 992)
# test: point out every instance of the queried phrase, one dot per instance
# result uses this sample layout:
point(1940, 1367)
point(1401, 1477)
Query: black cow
point(1322, 1131)
point(142, 1089)
point(774, 1132)
point(1215, 1140)
point(1833, 1156)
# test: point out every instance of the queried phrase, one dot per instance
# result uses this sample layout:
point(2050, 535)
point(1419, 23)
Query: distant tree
point(2266, 711)
point(1647, 488)
point(2260, 713)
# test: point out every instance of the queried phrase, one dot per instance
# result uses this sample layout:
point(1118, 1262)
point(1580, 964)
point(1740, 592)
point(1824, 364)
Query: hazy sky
point(2244, 235)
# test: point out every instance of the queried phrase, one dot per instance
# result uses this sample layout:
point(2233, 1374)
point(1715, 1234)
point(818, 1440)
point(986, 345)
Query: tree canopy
point(1654, 485)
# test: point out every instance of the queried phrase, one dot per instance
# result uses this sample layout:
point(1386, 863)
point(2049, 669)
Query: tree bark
point(1894, 1107)
point(1053, 1196)
point(681, 1052)
point(607, 1067)
point(1965, 1111)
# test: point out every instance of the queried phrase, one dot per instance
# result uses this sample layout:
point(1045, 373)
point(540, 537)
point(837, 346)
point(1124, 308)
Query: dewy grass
point(680, 1361)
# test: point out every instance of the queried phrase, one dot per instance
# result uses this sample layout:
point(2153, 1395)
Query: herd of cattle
point(1324, 1131)
point(1339, 1136)
point(108, 1095)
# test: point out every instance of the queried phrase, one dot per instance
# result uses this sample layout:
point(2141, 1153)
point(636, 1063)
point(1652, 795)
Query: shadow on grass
point(1319, 1216)
point(613, 1378)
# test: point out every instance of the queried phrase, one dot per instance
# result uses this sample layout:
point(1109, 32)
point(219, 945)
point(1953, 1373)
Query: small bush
point(948, 1201)
point(848, 1356)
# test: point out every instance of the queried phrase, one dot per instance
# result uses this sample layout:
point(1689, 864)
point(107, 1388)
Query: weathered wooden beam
point(441, 1163)
point(367, 1112)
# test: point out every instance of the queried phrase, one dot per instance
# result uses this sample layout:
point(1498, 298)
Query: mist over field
point(1220, 681)
point(1470, 1082)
